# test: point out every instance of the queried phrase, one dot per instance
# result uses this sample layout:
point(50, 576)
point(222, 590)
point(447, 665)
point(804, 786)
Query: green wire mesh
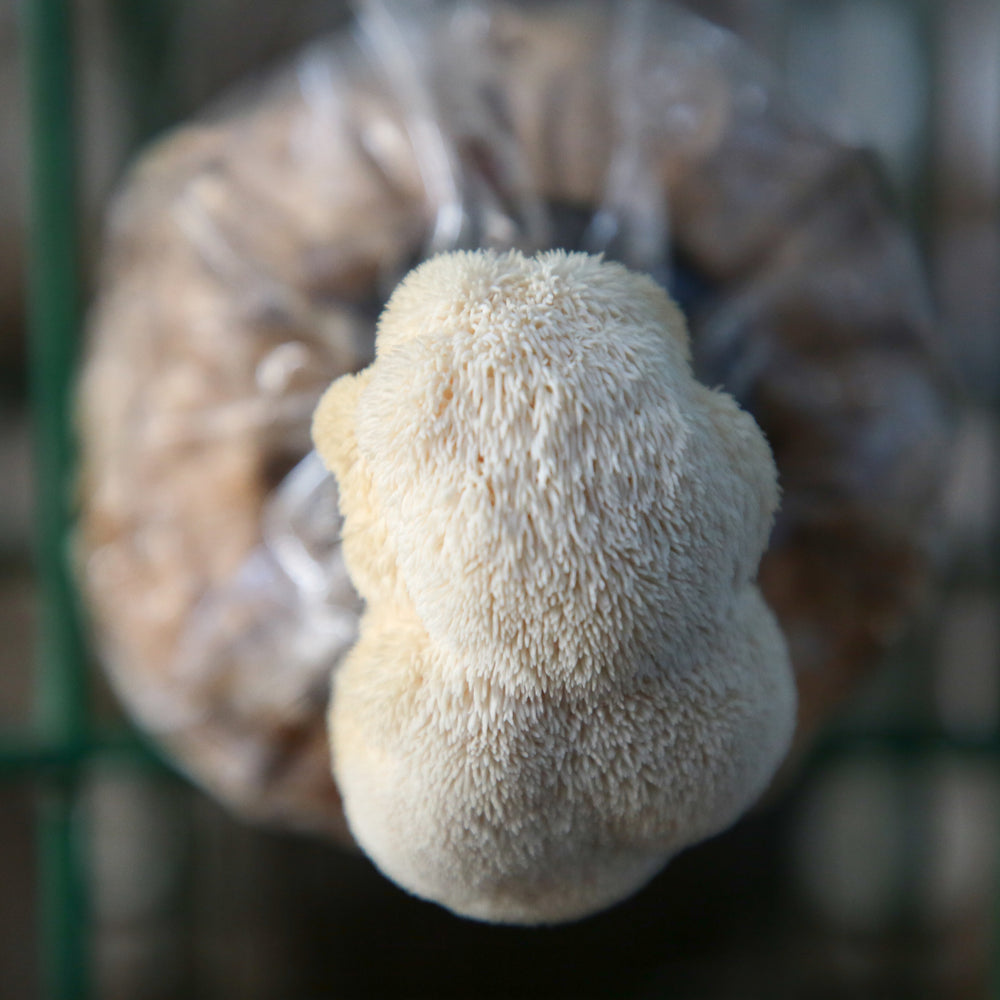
point(63, 743)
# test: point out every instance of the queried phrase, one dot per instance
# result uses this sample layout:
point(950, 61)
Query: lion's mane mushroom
point(565, 672)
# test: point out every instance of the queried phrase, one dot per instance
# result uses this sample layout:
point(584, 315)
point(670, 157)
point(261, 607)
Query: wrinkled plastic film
point(631, 222)
point(444, 64)
point(251, 250)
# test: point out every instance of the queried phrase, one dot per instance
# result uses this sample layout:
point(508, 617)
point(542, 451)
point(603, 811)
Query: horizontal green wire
point(25, 757)
point(910, 742)
point(28, 758)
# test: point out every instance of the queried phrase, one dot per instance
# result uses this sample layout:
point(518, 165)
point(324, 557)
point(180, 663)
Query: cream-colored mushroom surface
point(565, 672)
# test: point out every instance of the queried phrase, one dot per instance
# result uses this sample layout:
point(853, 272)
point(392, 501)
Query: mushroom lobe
point(565, 672)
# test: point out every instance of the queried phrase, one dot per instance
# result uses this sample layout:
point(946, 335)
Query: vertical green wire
point(146, 36)
point(54, 300)
point(927, 15)
point(54, 308)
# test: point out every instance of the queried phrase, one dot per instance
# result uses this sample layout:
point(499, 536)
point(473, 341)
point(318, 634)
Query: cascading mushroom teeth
point(565, 672)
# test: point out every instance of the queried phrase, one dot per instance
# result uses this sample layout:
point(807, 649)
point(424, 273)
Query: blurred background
point(874, 875)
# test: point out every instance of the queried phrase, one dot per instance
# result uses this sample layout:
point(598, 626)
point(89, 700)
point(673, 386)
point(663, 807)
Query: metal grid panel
point(64, 743)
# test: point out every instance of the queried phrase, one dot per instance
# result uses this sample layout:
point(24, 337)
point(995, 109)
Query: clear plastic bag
point(249, 252)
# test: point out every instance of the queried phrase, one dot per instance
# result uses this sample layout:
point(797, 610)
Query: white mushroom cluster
point(565, 672)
